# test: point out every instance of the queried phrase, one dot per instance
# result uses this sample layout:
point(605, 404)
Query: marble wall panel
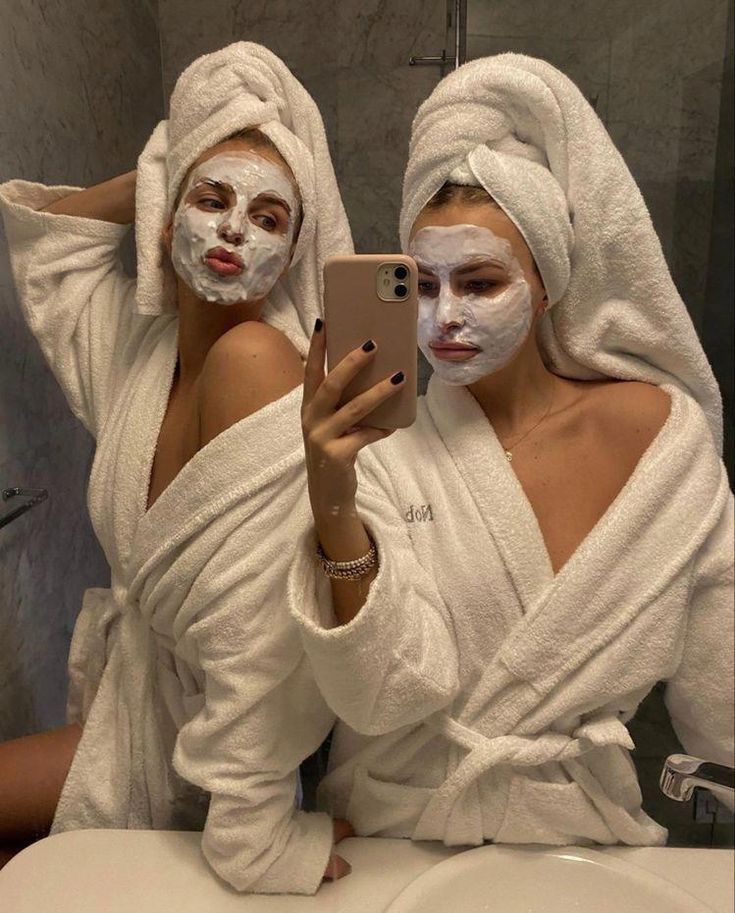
point(568, 20)
point(376, 106)
point(666, 75)
point(302, 34)
point(81, 93)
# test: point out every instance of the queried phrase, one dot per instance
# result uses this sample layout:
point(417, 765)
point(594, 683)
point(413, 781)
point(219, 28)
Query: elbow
point(400, 704)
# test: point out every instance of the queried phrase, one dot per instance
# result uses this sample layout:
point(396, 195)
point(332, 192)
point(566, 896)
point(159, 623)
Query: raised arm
point(110, 201)
point(64, 251)
point(332, 443)
point(382, 647)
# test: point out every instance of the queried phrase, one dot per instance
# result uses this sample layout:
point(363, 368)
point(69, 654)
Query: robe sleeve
point(397, 661)
point(262, 715)
point(699, 696)
point(261, 712)
point(75, 297)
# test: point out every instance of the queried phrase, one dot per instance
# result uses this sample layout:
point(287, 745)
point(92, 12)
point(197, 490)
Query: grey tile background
point(81, 93)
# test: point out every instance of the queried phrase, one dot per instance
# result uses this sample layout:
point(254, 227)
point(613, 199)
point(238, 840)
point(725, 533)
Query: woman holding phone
point(191, 703)
point(487, 596)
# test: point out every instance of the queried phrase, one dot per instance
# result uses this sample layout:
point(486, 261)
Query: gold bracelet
point(348, 570)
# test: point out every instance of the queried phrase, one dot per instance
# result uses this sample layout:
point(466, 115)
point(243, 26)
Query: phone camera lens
point(400, 272)
point(400, 290)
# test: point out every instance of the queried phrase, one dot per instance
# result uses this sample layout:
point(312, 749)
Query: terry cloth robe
point(482, 696)
point(188, 675)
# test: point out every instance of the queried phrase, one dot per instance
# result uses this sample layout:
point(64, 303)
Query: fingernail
point(397, 378)
point(368, 346)
point(318, 324)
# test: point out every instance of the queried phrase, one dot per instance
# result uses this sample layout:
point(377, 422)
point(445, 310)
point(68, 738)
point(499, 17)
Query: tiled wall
point(81, 91)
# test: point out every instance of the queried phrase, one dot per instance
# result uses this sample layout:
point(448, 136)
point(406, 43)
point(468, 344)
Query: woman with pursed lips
point(191, 703)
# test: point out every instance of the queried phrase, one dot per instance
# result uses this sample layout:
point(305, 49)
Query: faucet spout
point(682, 774)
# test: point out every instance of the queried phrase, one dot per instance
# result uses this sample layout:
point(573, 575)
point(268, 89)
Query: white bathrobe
point(190, 679)
point(481, 696)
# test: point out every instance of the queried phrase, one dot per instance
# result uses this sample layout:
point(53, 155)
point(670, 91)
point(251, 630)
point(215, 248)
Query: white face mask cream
point(220, 250)
point(469, 334)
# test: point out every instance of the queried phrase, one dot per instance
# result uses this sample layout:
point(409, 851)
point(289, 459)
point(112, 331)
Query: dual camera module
point(400, 290)
point(393, 281)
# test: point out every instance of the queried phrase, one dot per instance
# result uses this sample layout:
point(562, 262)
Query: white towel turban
point(241, 86)
point(522, 130)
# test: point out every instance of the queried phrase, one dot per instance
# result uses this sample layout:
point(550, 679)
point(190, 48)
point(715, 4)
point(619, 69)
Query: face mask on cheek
point(248, 258)
point(497, 324)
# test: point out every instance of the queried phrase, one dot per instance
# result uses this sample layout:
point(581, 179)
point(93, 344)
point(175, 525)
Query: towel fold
point(241, 86)
point(522, 130)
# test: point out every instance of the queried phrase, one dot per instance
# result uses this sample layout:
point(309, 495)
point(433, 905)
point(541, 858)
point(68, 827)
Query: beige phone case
point(354, 312)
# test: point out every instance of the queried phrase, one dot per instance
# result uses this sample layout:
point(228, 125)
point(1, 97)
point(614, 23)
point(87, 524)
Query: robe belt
point(485, 753)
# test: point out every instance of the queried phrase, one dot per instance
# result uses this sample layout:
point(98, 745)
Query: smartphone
point(375, 296)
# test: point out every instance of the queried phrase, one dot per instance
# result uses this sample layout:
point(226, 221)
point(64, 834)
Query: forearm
point(111, 201)
point(395, 662)
point(344, 538)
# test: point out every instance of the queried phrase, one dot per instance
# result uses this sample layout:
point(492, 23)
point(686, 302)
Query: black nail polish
point(368, 346)
point(318, 325)
point(397, 378)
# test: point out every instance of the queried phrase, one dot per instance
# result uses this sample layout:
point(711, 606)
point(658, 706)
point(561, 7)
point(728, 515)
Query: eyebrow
point(467, 268)
point(227, 188)
point(479, 264)
point(218, 185)
point(272, 198)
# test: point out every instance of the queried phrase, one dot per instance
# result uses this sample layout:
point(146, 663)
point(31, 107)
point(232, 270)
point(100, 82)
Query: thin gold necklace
point(508, 453)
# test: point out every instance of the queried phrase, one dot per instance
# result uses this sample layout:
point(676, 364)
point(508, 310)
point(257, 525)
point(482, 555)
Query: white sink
point(165, 872)
point(496, 879)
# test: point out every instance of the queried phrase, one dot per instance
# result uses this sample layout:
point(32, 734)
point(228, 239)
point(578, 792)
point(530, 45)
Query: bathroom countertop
point(158, 872)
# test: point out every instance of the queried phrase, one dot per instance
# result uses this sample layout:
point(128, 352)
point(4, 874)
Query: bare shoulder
point(251, 365)
point(630, 413)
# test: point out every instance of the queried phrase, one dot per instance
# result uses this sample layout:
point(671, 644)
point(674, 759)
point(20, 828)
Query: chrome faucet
point(683, 773)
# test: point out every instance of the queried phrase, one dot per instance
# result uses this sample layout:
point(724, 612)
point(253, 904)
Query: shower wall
point(81, 93)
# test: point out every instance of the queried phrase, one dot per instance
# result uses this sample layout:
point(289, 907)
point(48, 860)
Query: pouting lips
point(223, 262)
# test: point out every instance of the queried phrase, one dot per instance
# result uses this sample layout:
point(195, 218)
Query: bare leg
point(32, 773)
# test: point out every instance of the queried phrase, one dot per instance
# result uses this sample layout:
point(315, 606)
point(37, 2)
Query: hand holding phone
point(359, 401)
point(333, 435)
point(374, 297)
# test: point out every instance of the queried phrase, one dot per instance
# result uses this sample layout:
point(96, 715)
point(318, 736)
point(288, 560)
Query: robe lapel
point(118, 490)
point(500, 500)
point(637, 553)
point(226, 472)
